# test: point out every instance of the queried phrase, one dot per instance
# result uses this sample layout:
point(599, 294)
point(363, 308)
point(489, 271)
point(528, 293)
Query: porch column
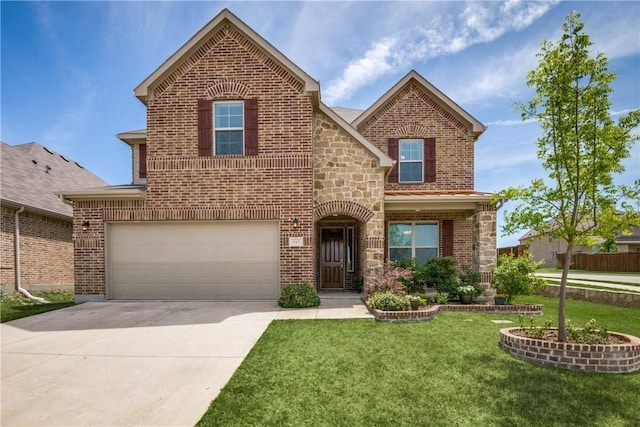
point(484, 244)
point(374, 250)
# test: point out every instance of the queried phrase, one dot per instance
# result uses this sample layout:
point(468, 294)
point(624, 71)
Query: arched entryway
point(340, 231)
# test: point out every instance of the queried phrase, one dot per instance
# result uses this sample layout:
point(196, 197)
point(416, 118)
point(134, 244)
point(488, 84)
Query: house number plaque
point(296, 241)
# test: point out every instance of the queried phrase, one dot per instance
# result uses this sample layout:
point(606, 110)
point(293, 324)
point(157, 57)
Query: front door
point(332, 267)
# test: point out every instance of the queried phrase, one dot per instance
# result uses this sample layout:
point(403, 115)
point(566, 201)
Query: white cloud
point(479, 22)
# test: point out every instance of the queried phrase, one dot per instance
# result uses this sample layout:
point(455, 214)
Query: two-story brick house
point(244, 181)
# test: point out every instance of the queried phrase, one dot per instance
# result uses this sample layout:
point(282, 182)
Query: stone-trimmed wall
point(484, 244)
point(348, 181)
point(46, 251)
point(613, 358)
point(620, 299)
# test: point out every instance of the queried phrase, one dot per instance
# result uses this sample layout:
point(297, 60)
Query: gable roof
point(144, 89)
point(475, 127)
point(31, 174)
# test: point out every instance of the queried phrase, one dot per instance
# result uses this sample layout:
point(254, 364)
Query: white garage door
point(222, 260)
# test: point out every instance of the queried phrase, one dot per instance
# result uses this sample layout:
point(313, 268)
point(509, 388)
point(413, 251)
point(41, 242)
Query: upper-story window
point(411, 160)
point(228, 128)
point(416, 160)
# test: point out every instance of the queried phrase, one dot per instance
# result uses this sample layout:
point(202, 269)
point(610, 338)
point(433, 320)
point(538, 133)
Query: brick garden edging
point(611, 358)
point(431, 311)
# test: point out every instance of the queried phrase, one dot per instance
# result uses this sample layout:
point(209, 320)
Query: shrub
point(589, 334)
point(392, 280)
point(301, 295)
point(514, 276)
point(470, 277)
point(388, 301)
point(443, 274)
point(416, 283)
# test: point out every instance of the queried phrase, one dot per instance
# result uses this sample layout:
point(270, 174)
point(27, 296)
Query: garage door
point(222, 260)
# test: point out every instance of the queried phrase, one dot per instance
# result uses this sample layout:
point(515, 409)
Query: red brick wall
point(412, 114)
point(276, 184)
point(46, 250)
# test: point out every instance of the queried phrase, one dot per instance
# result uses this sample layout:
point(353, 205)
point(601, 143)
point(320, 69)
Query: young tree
point(581, 148)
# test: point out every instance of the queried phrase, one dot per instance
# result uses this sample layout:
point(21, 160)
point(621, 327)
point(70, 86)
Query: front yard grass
point(445, 372)
point(14, 305)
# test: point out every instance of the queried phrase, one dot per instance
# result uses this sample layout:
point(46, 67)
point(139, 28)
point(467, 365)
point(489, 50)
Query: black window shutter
point(429, 160)
point(205, 127)
point(447, 238)
point(393, 153)
point(251, 127)
point(142, 160)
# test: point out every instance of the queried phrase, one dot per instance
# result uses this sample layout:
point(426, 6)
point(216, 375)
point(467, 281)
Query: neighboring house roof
point(196, 42)
point(475, 127)
point(31, 174)
point(634, 237)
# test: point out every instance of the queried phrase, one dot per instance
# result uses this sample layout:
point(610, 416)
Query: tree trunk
point(562, 328)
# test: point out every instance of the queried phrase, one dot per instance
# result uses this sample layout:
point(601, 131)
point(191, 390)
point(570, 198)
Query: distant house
point(30, 175)
point(548, 250)
point(629, 243)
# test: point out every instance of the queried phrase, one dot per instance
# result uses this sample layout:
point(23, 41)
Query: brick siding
point(46, 250)
point(412, 114)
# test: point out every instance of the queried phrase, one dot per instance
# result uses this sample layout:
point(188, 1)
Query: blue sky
point(69, 68)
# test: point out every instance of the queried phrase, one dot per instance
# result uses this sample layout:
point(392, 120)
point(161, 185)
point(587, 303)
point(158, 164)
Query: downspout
point(16, 253)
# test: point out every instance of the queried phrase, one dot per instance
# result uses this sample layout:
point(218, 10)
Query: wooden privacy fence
point(624, 262)
point(515, 250)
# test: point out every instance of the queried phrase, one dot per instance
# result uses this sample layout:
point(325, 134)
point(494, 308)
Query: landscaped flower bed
point(621, 357)
point(431, 311)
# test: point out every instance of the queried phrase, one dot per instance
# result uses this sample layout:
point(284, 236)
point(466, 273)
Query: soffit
point(413, 200)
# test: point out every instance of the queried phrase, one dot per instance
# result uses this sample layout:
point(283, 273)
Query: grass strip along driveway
point(446, 372)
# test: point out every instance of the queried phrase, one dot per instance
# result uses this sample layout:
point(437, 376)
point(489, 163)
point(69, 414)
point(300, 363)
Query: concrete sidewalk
point(601, 280)
point(134, 363)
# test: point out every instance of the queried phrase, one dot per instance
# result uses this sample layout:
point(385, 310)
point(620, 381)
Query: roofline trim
point(142, 90)
point(131, 193)
point(36, 210)
point(133, 137)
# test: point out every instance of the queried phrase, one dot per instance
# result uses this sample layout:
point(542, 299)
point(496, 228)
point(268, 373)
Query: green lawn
point(14, 306)
point(447, 372)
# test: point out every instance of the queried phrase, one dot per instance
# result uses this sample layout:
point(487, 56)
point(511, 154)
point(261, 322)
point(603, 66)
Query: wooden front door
point(332, 267)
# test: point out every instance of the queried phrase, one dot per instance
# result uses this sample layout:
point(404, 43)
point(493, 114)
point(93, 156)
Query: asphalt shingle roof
point(31, 174)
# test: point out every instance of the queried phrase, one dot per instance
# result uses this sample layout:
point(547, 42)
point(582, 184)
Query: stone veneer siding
point(412, 114)
point(348, 181)
point(46, 251)
point(484, 244)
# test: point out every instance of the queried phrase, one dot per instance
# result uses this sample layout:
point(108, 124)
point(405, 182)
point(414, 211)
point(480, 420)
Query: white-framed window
point(413, 240)
point(228, 128)
point(411, 160)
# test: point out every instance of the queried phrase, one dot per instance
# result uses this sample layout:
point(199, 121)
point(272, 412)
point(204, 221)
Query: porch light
point(85, 225)
point(295, 222)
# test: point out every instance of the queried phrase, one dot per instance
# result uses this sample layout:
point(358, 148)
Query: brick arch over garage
point(342, 207)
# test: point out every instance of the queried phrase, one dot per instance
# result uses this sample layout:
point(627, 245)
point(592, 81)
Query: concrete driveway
point(132, 363)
